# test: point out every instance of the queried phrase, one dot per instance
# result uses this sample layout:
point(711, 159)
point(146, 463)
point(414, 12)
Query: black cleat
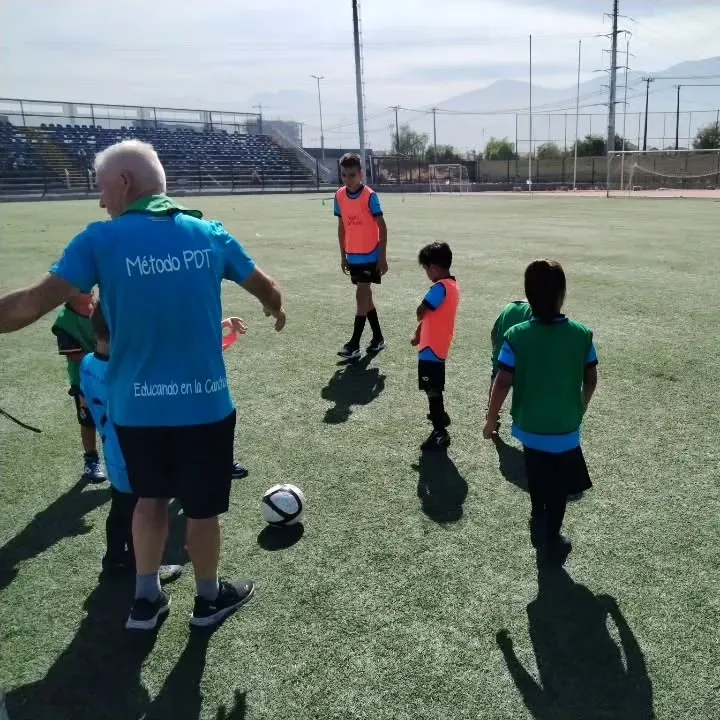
point(447, 422)
point(375, 346)
point(239, 471)
point(349, 352)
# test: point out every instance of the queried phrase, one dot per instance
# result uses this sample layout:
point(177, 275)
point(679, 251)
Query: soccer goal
point(664, 173)
point(449, 178)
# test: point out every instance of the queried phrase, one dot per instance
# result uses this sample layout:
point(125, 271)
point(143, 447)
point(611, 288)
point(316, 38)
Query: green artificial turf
point(413, 592)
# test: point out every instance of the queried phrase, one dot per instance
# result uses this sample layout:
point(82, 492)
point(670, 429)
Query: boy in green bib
point(75, 339)
point(551, 364)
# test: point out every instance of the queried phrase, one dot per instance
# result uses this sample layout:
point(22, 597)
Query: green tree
point(591, 146)
point(548, 151)
point(412, 143)
point(445, 154)
point(708, 137)
point(497, 149)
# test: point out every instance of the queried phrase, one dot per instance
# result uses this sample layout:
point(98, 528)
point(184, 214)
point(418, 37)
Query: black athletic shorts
point(567, 471)
point(365, 273)
point(83, 414)
point(431, 375)
point(192, 463)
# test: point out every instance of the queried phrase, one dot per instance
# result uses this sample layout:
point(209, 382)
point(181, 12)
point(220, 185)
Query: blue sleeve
point(77, 264)
point(237, 263)
point(506, 358)
point(592, 358)
point(435, 296)
point(375, 207)
point(336, 208)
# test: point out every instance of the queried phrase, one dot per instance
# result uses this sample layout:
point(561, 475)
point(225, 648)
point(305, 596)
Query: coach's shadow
point(512, 463)
point(441, 488)
point(583, 672)
point(63, 518)
point(355, 383)
point(98, 674)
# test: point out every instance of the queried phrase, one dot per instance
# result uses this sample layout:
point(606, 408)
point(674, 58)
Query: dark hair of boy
point(545, 288)
point(350, 160)
point(436, 253)
point(100, 327)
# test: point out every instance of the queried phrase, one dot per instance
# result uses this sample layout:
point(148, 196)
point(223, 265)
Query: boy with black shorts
point(362, 235)
point(551, 364)
point(75, 339)
point(119, 556)
point(434, 335)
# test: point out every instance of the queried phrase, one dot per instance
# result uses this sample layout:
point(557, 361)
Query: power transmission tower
point(613, 79)
point(647, 81)
point(397, 128)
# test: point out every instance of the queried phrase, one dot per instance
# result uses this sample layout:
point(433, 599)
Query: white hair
point(139, 160)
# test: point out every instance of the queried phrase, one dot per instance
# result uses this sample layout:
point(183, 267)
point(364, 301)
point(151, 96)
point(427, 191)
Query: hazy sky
point(223, 53)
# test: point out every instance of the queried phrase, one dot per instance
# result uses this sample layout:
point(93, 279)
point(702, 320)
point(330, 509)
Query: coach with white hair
point(159, 267)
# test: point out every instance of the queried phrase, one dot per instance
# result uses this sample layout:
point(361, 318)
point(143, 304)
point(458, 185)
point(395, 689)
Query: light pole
point(322, 134)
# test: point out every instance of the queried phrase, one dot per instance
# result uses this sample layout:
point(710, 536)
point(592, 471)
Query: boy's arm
point(382, 227)
point(589, 384)
point(341, 242)
point(416, 337)
point(500, 389)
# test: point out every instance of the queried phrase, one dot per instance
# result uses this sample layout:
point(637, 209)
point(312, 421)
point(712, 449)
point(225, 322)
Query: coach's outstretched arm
point(265, 289)
point(23, 307)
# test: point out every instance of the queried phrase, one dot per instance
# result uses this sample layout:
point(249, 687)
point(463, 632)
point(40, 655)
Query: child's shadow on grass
point(441, 488)
point(64, 517)
point(583, 672)
point(352, 384)
point(512, 463)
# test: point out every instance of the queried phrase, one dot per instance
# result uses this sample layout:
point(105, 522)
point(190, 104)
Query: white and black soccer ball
point(283, 505)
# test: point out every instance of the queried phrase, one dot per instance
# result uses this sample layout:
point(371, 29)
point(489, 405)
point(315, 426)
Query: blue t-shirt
point(433, 299)
point(159, 279)
point(377, 211)
point(535, 441)
point(93, 385)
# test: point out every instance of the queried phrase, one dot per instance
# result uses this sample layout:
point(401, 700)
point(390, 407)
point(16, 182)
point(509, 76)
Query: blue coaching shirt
point(159, 279)
point(377, 211)
point(433, 299)
point(93, 385)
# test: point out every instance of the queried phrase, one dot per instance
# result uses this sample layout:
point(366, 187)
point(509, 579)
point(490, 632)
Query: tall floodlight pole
point(397, 128)
point(647, 82)
point(358, 80)
point(322, 134)
point(627, 68)
point(531, 125)
point(577, 115)
point(677, 120)
point(613, 88)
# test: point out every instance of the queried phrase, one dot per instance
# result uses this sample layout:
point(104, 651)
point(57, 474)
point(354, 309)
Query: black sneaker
point(145, 614)
point(375, 346)
point(120, 564)
point(92, 470)
point(438, 440)
point(232, 595)
point(349, 352)
point(239, 471)
point(446, 419)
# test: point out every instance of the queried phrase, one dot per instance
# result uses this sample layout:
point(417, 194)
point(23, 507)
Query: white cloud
point(221, 53)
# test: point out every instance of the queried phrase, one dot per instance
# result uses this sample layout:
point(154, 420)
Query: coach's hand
point(279, 316)
point(490, 429)
point(344, 266)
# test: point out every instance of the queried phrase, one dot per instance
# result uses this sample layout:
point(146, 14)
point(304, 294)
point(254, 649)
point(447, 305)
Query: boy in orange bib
point(362, 235)
point(434, 336)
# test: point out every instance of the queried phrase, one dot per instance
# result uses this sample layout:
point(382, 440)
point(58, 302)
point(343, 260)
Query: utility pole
point(613, 80)
point(647, 81)
point(677, 120)
point(397, 128)
point(358, 81)
point(322, 134)
point(434, 111)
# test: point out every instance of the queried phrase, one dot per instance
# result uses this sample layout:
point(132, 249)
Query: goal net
point(665, 173)
point(449, 178)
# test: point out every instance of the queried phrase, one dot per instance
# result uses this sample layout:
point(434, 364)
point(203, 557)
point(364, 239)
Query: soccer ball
point(283, 505)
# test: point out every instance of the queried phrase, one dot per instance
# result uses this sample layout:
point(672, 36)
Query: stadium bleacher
point(59, 157)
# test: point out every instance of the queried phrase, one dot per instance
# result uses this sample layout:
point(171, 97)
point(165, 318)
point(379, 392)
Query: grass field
point(413, 593)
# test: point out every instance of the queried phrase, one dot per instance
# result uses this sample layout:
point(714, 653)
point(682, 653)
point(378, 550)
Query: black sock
point(437, 411)
point(357, 330)
point(372, 317)
point(91, 455)
point(555, 505)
